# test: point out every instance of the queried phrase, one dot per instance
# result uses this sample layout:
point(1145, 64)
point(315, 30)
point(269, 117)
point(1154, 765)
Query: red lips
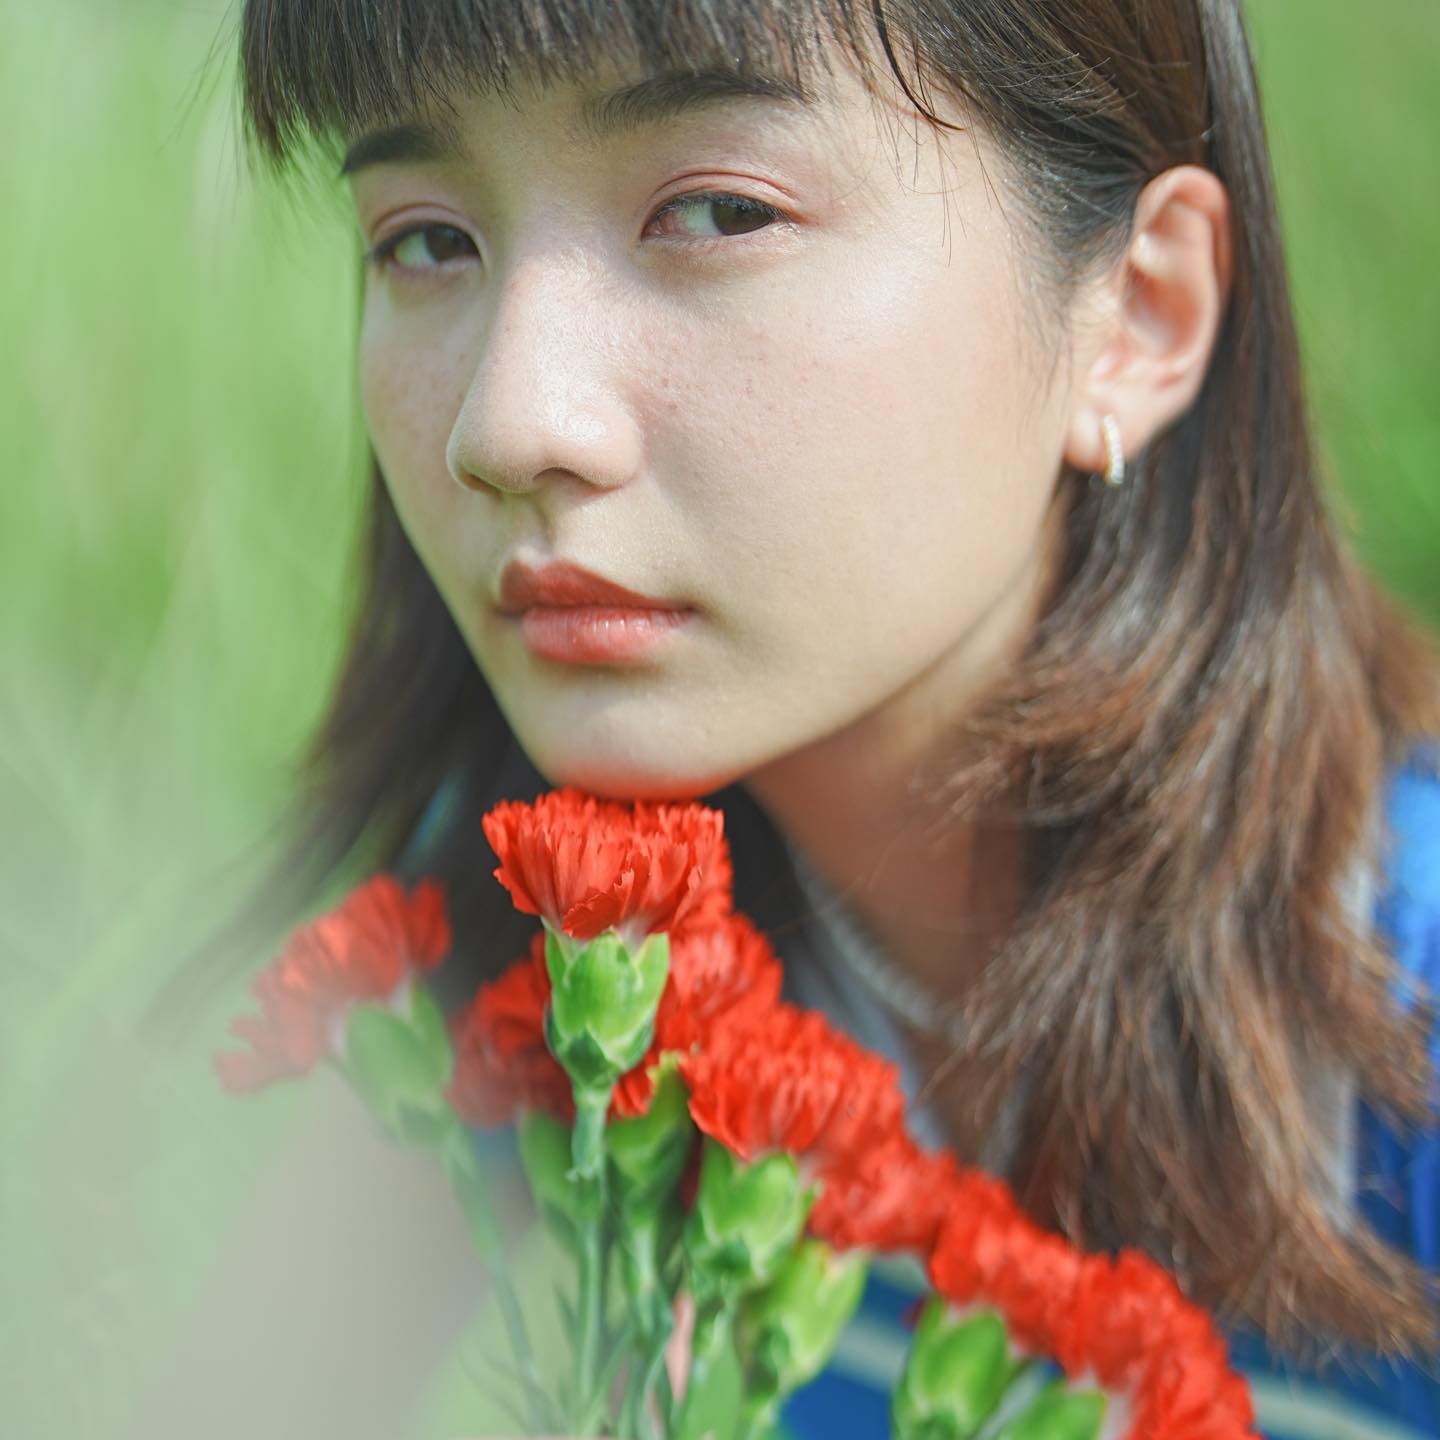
point(522, 587)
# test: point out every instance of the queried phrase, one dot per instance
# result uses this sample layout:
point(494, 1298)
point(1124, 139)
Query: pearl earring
point(1115, 473)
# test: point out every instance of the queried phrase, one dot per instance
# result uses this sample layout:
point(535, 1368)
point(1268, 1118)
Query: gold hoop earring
point(1115, 454)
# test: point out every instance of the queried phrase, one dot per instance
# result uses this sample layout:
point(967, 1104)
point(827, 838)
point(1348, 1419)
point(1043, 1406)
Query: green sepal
point(745, 1220)
point(1059, 1413)
point(787, 1332)
point(955, 1375)
point(397, 1060)
point(603, 999)
point(428, 1021)
point(648, 1152)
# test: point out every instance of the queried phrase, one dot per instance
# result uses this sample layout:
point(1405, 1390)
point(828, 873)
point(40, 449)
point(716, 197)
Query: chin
point(627, 778)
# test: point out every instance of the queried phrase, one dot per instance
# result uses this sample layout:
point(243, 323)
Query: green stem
point(639, 1241)
point(657, 1376)
point(648, 1371)
point(712, 1334)
point(588, 1141)
point(587, 1317)
point(664, 1395)
point(588, 1156)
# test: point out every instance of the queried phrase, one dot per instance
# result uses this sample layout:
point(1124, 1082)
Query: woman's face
point(763, 360)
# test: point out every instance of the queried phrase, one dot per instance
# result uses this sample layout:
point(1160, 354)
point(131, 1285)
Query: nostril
point(595, 444)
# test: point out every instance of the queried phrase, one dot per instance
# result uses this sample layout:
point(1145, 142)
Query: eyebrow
point(629, 109)
point(666, 96)
point(413, 142)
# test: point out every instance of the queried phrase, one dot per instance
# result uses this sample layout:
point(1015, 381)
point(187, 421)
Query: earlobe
point(1171, 290)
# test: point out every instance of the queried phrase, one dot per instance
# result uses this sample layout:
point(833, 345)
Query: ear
point(1159, 311)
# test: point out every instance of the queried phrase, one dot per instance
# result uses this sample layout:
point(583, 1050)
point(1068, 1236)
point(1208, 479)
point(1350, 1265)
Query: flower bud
point(745, 1220)
point(787, 1332)
point(400, 1058)
point(957, 1370)
point(1058, 1413)
point(603, 999)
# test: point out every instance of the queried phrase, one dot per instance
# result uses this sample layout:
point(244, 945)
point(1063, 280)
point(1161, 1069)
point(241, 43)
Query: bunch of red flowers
point(761, 1079)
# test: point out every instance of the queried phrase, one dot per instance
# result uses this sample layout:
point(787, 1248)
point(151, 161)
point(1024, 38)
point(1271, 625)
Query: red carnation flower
point(586, 865)
point(1031, 1283)
point(364, 950)
point(1129, 1327)
point(1115, 1315)
point(1187, 1390)
point(790, 1082)
point(1190, 1393)
point(502, 1064)
point(720, 976)
point(980, 1213)
point(892, 1198)
point(988, 1250)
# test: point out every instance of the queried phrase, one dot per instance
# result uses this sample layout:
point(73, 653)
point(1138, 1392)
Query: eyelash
point(382, 255)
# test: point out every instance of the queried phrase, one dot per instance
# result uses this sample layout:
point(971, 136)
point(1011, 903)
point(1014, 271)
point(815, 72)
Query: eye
point(422, 250)
point(730, 215)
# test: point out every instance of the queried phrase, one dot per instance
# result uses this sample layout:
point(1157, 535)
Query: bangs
point(318, 69)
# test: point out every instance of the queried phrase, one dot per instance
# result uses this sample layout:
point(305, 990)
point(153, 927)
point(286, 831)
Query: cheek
point(411, 394)
point(407, 390)
point(878, 409)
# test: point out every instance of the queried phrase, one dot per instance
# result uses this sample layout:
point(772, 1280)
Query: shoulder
point(1408, 908)
point(1399, 1179)
point(1407, 904)
point(1412, 813)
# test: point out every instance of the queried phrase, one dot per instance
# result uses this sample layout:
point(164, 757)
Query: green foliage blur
point(181, 503)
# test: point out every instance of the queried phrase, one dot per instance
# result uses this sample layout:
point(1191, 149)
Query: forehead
point(613, 105)
point(334, 70)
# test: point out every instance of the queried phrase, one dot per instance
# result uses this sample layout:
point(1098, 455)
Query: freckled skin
point(835, 436)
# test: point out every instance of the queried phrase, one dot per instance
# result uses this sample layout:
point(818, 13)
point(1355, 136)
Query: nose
point(547, 396)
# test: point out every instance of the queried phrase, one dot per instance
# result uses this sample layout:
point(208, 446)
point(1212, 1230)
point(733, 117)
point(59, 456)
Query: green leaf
point(545, 1156)
point(617, 1349)
point(472, 1188)
point(566, 1307)
point(509, 1404)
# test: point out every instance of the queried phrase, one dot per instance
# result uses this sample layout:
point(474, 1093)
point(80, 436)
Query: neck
point(935, 893)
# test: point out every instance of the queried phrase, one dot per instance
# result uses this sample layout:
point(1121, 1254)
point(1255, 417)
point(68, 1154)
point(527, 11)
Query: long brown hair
point(1195, 739)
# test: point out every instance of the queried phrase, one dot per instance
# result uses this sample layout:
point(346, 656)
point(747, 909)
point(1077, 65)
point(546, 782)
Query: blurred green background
point(180, 503)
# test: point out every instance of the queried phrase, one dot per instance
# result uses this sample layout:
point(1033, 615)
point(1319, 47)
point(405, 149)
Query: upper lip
point(562, 583)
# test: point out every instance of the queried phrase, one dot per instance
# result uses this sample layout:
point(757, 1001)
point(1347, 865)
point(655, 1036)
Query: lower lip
point(596, 634)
